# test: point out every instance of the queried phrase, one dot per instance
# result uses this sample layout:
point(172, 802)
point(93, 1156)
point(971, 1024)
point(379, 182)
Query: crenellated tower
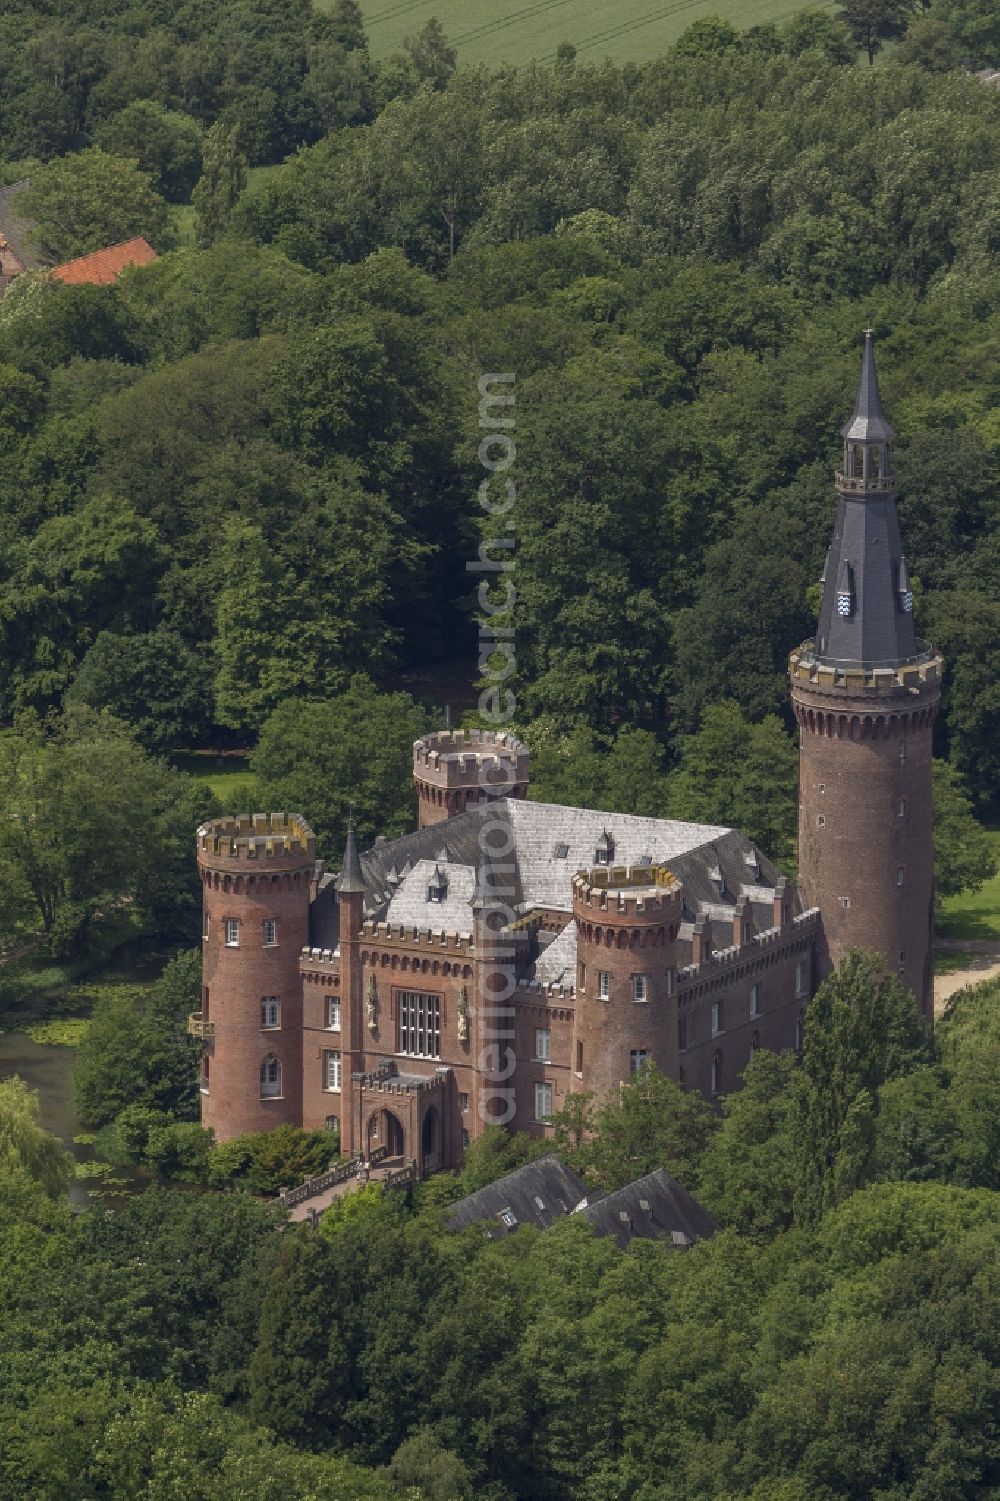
point(865, 694)
point(627, 921)
point(256, 873)
point(458, 769)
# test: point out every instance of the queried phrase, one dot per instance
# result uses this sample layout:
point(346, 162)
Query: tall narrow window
point(901, 808)
point(270, 1078)
point(801, 981)
point(232, 932)
point(270, 932)
point(637, 1060)
point(543, 1101)
point(754, 1000)
point(717, 1071)
point(900, 875)
point(332, 1069)
point(206, 925)
point(640, 988)
point(419, 1024)
point(579, 1057)
point(902, 753)
point(270, 1012)
point(717, 1018)
point(333, 1013)
point(543, 1043)
point(604, 984)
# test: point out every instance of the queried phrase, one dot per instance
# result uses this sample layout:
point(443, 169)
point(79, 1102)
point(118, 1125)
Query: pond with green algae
point(48, 1068)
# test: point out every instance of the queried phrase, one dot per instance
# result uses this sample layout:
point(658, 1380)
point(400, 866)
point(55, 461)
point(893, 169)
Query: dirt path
point(985, 967)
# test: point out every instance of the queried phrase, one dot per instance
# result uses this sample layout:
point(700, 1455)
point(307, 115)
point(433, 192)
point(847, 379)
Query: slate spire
point(867, 422)
point(350, 878)
point(866, 618)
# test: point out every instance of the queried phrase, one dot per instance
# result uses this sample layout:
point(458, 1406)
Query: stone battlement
point(384, 932)
point(620, 890)
point(770, 938)
point(809, 671)
point(263, 837)
point(455, 757)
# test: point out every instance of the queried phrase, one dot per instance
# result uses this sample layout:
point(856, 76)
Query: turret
point(865, 693)
point(256, 872)
point(625, 1014)
point(458, 769)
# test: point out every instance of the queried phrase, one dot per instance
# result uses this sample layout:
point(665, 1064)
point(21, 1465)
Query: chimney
point(782, 904)
point(701, 941)
point(742, 923)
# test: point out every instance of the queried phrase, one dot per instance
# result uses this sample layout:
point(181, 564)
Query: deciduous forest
point(238, 494)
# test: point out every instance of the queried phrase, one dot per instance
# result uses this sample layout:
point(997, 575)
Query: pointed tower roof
point(867, 422)
point(350, 878)
point(866, 618)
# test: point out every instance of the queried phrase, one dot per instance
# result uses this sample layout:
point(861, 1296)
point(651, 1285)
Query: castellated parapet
point(458, 769)
point(275, 840)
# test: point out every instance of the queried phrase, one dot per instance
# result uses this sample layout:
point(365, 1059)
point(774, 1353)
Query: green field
point(228, 777)
point(976, 915)
point(514, 31)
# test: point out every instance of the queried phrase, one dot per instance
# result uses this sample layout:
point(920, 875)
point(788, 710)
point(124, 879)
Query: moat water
point(48, 1069)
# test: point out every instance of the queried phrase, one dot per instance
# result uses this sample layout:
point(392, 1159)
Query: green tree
point(652, 1123)
point(136, 1053)
point(165, 143)
point(733, 772)
point(423, 1467)
point(95, 838)
point(24, 1145)
point(863, 1029)
point(351, 752)
point(223, 178)
point(963, 853)
point(92, 199)
point(152, 681)
point(874, 22)
point(432, 58)
point(748, 1172)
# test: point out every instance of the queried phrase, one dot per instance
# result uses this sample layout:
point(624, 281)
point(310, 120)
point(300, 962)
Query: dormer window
point(437, 889)
point(905, 592)
point(605, 851)
point(845, 590)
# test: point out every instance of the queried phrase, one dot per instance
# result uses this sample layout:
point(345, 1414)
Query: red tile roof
point(105, 266)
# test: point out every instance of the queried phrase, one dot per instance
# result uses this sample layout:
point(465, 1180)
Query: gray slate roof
point(397, 872)
point(865, 564)
point(652, 1208)
point(536, 1194)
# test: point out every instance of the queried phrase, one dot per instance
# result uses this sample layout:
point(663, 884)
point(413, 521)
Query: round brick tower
point(865, 694)
point(457, 769)
point(626, 987)
point(256, 873)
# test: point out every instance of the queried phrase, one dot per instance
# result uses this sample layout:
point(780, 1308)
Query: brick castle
point(508, 953)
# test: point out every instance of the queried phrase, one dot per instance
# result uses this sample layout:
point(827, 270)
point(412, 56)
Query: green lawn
point(976, 915)
point(514, 31)
point(228, 776)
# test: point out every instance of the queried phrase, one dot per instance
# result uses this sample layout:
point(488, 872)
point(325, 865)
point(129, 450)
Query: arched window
point(270, 1078)
point(717, 1071)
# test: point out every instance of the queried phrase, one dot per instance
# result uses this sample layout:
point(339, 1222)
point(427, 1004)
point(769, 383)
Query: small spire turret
point(350, 878)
